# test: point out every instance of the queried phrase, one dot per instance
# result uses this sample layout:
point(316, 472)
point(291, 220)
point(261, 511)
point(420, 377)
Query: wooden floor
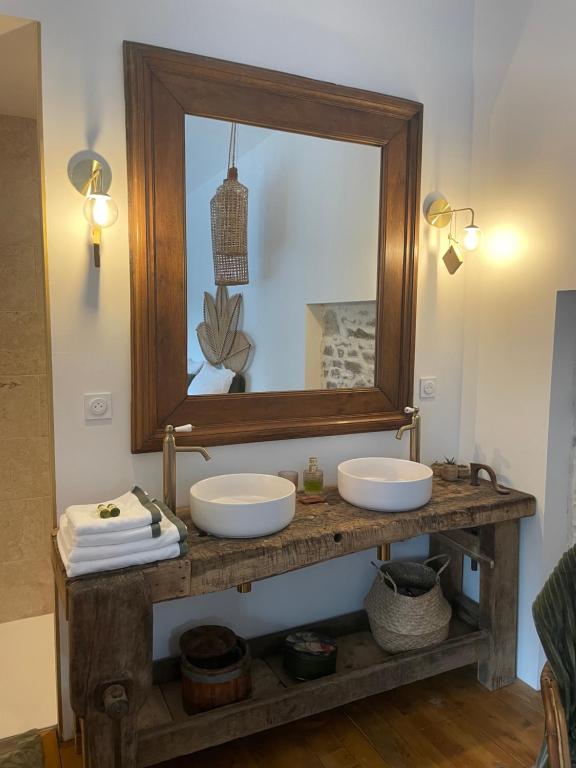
point(448, 721)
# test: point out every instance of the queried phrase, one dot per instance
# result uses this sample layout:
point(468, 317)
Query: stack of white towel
point(145, 531)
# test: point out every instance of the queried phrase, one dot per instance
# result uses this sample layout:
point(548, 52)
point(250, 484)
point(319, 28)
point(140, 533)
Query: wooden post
point(110, 663)
point(499, 602)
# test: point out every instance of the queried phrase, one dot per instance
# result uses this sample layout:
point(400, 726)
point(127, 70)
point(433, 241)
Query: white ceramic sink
point(385, 485)
point(242, 506)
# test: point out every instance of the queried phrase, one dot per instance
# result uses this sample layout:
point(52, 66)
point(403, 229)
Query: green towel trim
point(158, 508)
point(148, 504)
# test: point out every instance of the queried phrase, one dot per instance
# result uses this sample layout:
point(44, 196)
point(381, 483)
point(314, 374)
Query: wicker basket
point(402, 622)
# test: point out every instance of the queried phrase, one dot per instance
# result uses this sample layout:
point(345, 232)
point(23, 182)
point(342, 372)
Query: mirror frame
point(161, 87)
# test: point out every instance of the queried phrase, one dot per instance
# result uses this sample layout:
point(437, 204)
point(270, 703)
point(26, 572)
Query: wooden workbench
point(131, 717)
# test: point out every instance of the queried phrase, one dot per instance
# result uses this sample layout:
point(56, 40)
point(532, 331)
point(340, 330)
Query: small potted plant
point(450, 469)
point(436, 468)
point(463, 471)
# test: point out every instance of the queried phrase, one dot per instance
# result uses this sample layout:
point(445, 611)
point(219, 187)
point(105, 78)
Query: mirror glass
point(306, 317)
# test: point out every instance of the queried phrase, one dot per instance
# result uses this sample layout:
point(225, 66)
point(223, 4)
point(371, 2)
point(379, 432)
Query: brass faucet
point(169, 451)
point(414, 429)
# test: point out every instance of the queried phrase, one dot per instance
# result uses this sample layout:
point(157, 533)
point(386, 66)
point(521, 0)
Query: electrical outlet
point(428, 387)
point(98, 406)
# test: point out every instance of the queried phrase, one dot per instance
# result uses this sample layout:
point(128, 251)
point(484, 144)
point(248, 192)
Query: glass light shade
point(100, 210)
point(472, 237)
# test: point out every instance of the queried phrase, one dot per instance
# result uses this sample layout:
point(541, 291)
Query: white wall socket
point(98, 406)
point(428, 387)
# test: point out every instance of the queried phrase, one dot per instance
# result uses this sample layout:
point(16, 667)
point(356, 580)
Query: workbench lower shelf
point(165, 731)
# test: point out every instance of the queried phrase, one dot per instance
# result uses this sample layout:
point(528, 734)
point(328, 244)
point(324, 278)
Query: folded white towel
point(170, 533)
point(113, 563)
point(90, 540)
point(136, 511)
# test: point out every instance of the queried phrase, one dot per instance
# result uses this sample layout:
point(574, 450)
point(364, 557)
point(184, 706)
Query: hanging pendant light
point(229, 221)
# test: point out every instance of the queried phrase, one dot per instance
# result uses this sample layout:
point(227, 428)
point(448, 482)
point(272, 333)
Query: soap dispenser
point(313, 477)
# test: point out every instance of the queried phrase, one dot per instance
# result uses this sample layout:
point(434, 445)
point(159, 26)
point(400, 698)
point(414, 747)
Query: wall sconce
point(92, 177)
point(440, 214)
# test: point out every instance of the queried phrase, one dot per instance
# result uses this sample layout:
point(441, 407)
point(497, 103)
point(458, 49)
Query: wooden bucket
point(207, 687)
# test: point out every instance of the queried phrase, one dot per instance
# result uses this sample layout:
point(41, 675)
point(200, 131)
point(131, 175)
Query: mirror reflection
point(282, 254)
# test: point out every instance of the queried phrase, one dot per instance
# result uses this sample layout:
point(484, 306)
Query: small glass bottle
point(313, 477)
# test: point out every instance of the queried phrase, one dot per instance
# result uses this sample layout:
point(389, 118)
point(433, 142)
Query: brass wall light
point(440, 214)
point(91, 176)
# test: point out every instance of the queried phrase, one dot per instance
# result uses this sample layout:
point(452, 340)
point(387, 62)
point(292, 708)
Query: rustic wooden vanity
point(129, 708)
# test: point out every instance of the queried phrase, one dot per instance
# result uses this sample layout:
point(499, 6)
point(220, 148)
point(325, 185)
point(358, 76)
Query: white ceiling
point(18, 67)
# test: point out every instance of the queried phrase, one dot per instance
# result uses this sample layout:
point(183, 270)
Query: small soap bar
point(312, 498)
point(108, 510)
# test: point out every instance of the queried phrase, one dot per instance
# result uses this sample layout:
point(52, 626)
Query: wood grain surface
point(448, 721)
point(161, 88)
point(317, 533)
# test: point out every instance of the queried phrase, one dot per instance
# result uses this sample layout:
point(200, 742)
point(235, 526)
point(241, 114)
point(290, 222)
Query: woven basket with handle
point(402, 622)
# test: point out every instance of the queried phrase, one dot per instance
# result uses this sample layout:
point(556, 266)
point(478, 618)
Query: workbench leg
point(110, 630)
point(77, 735)
point(451, 578)
point(499, 602)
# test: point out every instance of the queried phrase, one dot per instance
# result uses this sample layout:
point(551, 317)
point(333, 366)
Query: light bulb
point(100, 210)
point(471, 239)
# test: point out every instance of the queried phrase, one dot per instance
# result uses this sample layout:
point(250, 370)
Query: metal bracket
point(475, 469)
point(383, 552)
point(81, 170)
point(467, 543)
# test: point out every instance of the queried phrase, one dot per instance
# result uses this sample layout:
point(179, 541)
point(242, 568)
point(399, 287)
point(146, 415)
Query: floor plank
point(278, 748)
point(449, 721)
point(50, 749)
point(321, 735)
point(356, 743)
point(468, 747)
point(402, 747)
point(68, 756)
point(517, 730)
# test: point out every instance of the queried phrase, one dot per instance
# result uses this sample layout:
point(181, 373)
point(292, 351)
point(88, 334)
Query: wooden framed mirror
point(179, 107)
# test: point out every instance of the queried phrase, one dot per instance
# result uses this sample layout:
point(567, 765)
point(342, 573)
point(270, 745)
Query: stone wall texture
point(348, 345)
point(26, 444)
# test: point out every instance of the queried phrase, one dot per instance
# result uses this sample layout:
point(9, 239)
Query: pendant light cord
point(232, 146)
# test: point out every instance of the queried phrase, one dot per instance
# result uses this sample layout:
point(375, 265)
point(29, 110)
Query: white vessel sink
point(385, 485)
point(242, 506)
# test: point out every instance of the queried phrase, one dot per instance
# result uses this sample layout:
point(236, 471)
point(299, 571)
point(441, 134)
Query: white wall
point(562, 429)
point(420, 50)
point(523, 178)
point(313, 207)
